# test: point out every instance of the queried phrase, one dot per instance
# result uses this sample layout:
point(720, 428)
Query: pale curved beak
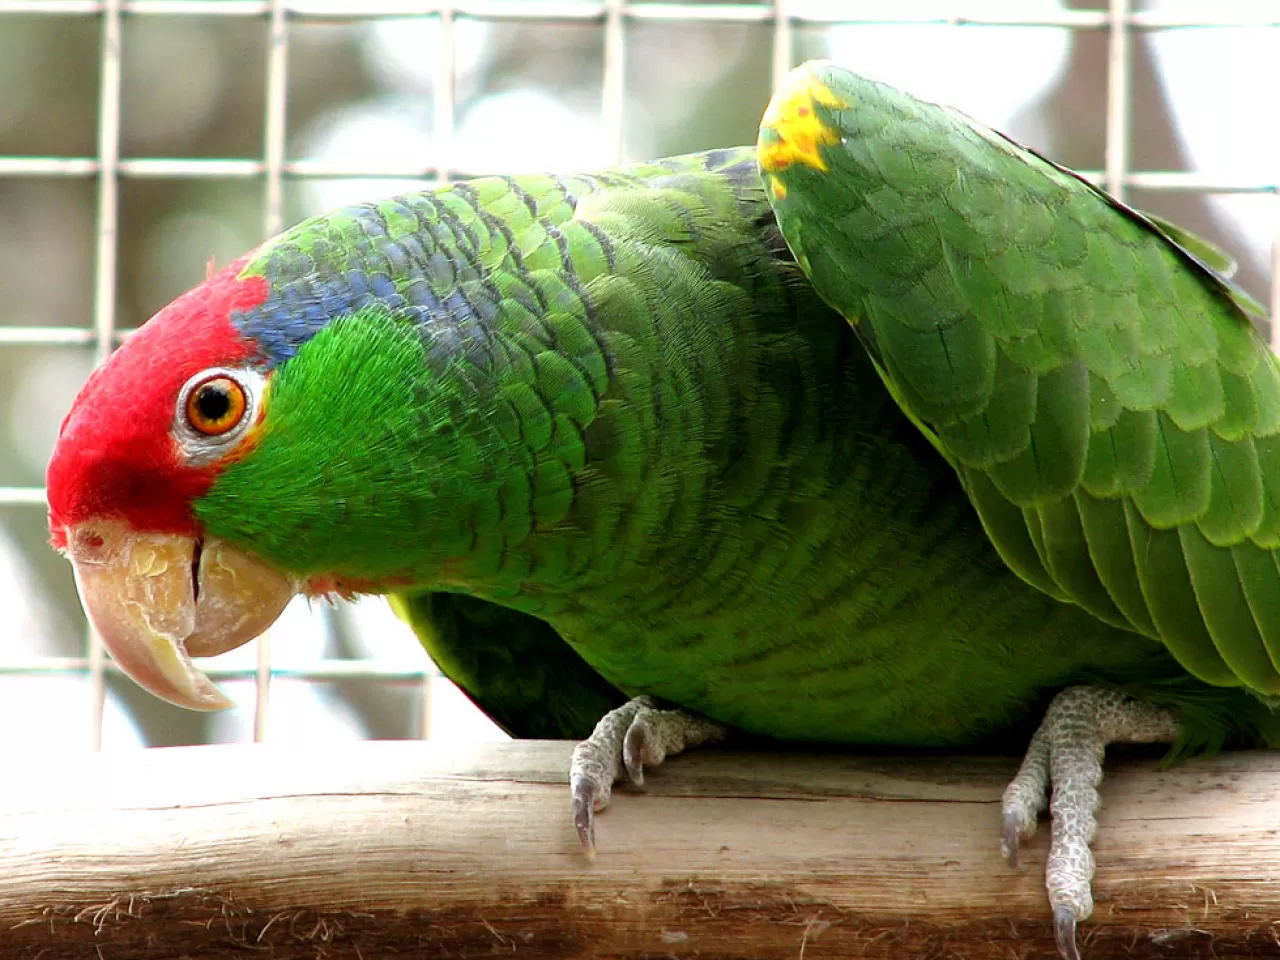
point(159, 599)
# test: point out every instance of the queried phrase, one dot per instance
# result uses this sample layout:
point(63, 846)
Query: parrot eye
point(215, 409)
point(216, 406)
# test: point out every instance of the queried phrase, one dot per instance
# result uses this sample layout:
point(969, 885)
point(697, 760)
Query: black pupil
point(213, 400)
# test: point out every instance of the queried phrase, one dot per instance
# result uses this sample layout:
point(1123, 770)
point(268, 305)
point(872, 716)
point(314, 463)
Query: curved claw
point(1064, 931)
point(585, 794)
point(1010, 837)
point(634, 747)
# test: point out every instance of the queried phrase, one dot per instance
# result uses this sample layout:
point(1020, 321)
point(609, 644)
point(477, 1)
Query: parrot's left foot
point(636, 733)
point(1067, 750)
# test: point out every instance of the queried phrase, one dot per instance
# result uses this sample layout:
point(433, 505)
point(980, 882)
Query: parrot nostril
point(88, 544)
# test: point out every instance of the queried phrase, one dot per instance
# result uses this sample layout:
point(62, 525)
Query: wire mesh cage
point(141, 138)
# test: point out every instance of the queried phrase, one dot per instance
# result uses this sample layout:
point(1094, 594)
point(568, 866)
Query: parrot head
point(147, 437)
point(298, 423)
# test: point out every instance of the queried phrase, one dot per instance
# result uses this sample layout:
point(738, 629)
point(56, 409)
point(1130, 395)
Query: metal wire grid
point(107, 168)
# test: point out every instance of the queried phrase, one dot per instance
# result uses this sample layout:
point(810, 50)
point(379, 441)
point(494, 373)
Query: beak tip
point(214, 706)
point(205, 697)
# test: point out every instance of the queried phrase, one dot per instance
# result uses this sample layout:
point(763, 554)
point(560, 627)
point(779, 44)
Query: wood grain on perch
point(419, 850)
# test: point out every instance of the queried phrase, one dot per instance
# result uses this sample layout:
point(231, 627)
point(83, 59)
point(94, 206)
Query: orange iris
point(216, 406)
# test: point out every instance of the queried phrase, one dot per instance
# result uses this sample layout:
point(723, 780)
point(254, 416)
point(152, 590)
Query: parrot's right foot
point(636, 733)
point(1067, 751)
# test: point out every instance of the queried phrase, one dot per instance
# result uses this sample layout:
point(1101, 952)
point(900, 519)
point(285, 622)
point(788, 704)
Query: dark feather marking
point(575, 284)
point(525, 197)
point(499, 226)
point(562, 245)
point(465, 240)
point(562, 185)
point(467, 245)
point(606, 245)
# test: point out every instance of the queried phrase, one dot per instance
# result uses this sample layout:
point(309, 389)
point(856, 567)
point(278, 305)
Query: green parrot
point(613, 459)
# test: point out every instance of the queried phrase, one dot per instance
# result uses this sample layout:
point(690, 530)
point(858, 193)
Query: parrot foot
point(1067, 750)
point(636, 733)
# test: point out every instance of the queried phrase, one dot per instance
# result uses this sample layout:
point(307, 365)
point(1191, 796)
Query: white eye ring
point(199, 447)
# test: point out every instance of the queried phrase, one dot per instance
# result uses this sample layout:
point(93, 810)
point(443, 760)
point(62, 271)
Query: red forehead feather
point(115, 455)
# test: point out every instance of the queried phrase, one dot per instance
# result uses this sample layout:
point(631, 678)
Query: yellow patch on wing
point(792, 119)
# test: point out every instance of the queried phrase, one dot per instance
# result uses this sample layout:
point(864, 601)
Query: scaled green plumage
point(1108, 405)
point(631, 419)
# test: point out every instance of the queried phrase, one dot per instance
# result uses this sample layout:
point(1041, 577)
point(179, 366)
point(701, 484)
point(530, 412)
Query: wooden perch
point(418, 850)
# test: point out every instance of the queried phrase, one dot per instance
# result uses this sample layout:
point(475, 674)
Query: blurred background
point(1186, 93)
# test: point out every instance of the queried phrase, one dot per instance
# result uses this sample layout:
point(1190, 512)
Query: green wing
point(1100, 389)
point(513, 666)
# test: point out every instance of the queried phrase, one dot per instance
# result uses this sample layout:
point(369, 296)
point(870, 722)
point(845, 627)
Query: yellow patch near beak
point(793, 120)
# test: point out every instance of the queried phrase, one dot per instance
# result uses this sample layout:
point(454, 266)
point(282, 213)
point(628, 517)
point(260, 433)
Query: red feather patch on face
point(116, 455)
